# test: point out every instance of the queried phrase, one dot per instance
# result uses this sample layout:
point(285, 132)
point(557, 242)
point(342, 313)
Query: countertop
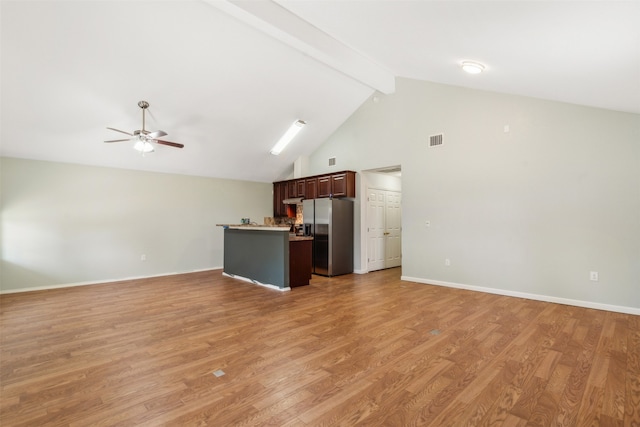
point(292, 237)
point(255, 227)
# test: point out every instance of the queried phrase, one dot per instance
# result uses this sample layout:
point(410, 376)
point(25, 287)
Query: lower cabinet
point(299, 262)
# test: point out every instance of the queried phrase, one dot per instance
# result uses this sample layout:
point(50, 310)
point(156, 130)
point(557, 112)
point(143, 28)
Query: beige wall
point(68, 224)
point(529, 212)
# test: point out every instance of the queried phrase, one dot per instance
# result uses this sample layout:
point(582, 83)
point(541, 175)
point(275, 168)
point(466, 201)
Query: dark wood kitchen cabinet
point(301, 188)
point(324, 187)
point(300, 260)
point(343, 184)
point(311, 188)
point(338, 184)
point(291, 189)
point(279, 194)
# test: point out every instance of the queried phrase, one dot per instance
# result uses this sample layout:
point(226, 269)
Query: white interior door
point(393, 226)
point(384, 219)
point(376, 230)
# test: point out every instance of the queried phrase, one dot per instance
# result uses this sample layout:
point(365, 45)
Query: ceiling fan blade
point(121, 131)
point(171, 144)
point(156, 134)
point(118, 140)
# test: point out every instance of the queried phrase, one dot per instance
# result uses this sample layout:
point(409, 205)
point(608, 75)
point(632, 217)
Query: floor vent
point(219, 373)
point(332, 161)
point(435, 332)
point(435, 140)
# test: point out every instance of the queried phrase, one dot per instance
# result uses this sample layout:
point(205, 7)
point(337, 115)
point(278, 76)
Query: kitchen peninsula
point(267, 255)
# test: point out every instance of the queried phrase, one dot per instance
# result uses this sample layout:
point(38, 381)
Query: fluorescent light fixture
point(287, 137)
point(472, 67)
point(143, 146)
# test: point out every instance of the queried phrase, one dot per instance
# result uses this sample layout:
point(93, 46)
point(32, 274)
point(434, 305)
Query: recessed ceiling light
point(472, 67)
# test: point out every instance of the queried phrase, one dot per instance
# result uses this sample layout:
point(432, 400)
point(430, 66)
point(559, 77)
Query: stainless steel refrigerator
point(330, 222)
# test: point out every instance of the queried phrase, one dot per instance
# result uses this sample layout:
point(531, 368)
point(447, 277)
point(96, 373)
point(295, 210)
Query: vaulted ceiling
point(226, 78)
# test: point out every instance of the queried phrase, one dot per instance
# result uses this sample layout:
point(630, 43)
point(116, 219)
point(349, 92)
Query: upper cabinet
point(301, 187)
point(291, 190)
point(311, 188)
point(343, 184)
point(279, 194)
point(339, 184)
point(324, 187)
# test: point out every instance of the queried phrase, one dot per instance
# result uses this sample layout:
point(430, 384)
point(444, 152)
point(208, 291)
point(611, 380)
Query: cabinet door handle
point(386, 233)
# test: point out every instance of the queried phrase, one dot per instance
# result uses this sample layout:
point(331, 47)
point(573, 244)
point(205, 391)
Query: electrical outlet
point(593, 276)
point(143, 257)
point(447, 262)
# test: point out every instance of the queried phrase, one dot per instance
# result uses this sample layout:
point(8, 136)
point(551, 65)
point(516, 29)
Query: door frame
point(384, 178)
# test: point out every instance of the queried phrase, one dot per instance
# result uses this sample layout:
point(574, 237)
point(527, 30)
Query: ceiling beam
point(283, 25)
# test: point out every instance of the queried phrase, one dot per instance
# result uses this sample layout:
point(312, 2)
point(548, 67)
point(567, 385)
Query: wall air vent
point(435, 140)
point(332, 161)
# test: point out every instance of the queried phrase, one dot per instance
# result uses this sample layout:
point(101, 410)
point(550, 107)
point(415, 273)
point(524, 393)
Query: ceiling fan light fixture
point(288, 136)
point(143, 146)
point(472, 67)
point(143, 137)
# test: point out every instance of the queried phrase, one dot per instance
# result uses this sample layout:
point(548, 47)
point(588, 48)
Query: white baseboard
point(98, 282)
point(255, 282)
point(360, 271)
point(536, 297)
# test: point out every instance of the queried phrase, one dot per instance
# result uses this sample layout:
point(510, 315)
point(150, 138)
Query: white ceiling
point(226, 78)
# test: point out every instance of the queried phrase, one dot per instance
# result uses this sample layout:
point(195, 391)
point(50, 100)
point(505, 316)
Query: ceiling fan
point(143, 138)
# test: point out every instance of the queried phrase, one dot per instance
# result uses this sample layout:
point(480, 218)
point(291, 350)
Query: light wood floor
point(350, 350)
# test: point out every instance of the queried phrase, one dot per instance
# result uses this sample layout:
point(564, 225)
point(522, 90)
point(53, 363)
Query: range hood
point(293, 201)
